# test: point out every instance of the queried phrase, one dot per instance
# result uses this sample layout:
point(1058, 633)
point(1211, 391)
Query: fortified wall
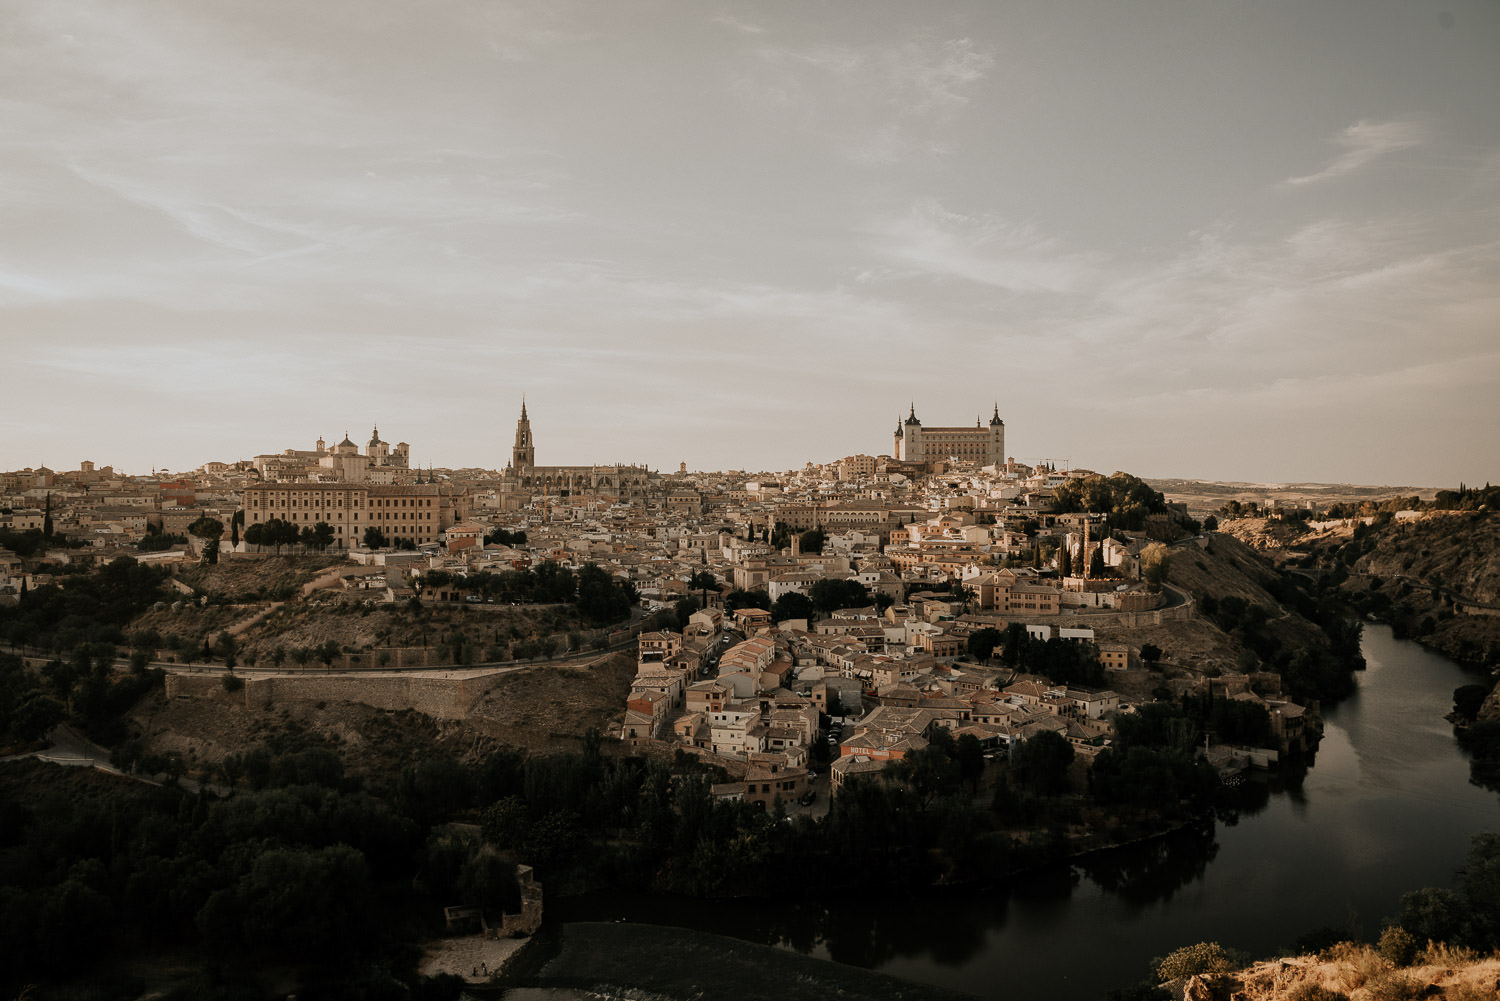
point(440, 698)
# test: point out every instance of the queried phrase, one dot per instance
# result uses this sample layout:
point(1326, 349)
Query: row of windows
point(318, 501)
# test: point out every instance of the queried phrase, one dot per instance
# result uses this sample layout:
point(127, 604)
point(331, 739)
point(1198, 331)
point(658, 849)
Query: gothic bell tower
point(523, 455)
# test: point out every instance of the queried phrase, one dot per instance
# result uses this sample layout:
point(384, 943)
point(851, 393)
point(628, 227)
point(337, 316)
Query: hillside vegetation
point(1252, 618)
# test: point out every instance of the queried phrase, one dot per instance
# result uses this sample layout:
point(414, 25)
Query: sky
point(1227, 239)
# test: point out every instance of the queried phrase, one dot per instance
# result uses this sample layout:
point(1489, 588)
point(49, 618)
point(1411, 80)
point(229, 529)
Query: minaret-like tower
point(1083, 554)
point(523, 455)
point(896, 446)
point(995, 453)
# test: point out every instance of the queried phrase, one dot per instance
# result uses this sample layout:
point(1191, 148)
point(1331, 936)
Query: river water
point(1387, 807)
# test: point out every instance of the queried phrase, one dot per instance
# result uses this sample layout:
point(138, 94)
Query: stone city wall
point(441, 698)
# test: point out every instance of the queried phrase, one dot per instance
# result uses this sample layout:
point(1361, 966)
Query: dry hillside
point(1351, 972)
point(543, 708)
point(1218, 567)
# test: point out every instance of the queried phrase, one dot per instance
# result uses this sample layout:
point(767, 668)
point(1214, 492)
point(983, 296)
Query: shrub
point(1397, 946)
point(1358, 964)
point(1205, 957)
point(1311, 990)
point(1468, 990)
point(233, 682)
point(1390, 986)
point(1450, 956)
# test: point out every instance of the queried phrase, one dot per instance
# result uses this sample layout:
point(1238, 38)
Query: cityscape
point(1058, 661)
point(660, 501)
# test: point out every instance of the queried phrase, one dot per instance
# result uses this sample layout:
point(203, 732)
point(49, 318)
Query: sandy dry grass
point(1357, 973)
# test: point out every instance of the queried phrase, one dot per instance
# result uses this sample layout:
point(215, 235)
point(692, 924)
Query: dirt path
point(474, 958)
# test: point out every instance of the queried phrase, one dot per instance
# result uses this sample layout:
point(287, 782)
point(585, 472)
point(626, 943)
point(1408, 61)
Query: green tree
point(374, 538)
point(812, 541)
point(297, 903)
point(832, 593)
point(1041, 764)
point(1155, 560)
point(210, 530)
point(160, 542)
point(982, 642)
point(703, 582)
point(739, 598)
point(600, 598)
point(970, 756)
point(684, 609)
point(1205, 957)
point(792, 605)
point(319, 536)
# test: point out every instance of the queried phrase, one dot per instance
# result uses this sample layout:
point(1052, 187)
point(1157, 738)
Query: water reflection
point(1387, 806)
point(1151, 872)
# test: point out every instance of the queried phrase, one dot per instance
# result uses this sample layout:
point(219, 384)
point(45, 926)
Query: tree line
point(599, 596)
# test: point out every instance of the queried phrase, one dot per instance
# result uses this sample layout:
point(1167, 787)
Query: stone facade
point(918, 445)
point(417, 511)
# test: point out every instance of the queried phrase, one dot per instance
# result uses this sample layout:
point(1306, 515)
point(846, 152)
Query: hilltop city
point(933, 666)
point(774, 609)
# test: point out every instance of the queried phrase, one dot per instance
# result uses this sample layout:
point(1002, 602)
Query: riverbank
point(632, 961)
point(476, 959)
point(1386, 808)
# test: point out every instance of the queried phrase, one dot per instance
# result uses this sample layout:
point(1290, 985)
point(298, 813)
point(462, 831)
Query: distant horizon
point(437, 467)
point(1255, 241)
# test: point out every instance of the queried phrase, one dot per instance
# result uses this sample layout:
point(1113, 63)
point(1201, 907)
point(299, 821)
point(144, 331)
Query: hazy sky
point(1234, 239)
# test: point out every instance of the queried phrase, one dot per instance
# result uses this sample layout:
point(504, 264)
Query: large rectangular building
point(417, 511)
point(983, 446)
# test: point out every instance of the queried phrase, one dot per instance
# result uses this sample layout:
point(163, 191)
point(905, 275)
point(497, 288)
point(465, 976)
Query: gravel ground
point(473, 957)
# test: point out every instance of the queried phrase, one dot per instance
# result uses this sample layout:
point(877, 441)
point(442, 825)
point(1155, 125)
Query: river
point(1387, 807)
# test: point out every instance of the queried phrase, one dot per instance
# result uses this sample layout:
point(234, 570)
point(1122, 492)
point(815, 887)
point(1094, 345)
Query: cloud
point(742, 26)
point(877, 104)
point(931, 240)
point(936, 78)
point(920, 78)
point(1363, 142)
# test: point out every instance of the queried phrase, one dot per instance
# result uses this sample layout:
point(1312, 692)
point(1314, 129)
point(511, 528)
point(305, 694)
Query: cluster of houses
point(750, 695)
point(744, 691)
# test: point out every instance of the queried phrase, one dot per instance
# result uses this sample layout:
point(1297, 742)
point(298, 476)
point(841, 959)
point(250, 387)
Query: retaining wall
point(441, 698)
